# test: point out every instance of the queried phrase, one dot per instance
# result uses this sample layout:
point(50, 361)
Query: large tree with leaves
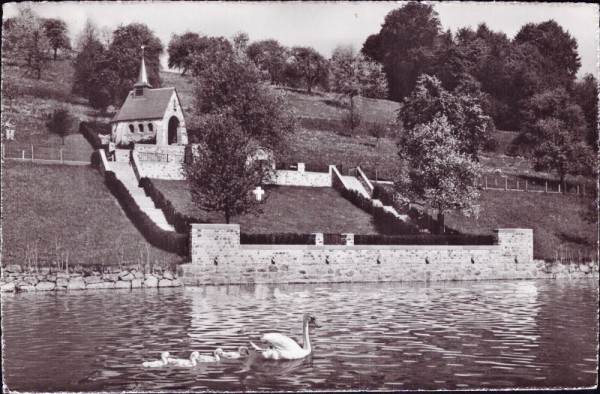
point(57, 33)
point(270, 58)
point(24, 40)
point(436, 170)
point(124, 54)
point(406, 40)
point(182, 48)
point(462, 110)
point(309, 65)
point(230, 84)
point(585, 93)
point(222, 174)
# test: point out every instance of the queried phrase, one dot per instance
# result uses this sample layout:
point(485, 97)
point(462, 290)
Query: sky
point(322, 25)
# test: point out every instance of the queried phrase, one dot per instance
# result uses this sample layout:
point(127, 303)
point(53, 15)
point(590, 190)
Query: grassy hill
point(558, 228)
point(48, 210)
point(301, 210)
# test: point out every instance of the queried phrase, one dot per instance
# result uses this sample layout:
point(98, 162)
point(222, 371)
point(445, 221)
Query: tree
point(407, 39)
point(310, 65)
point(461, 109)
point(559, 150)
point(240, 43)
point(124, 54)
point(57, 33)
point(181, 48)
point(436, 171)
point(61, 123)
point(557, 48)
point(270, 58)
point(372, 48)
point(221, 176)
point(228, 84)
point(89, 61)
point(585, 94)
point(25, 36)
point(351, 74)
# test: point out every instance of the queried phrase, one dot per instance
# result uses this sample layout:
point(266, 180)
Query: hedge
point(385, 222)
point(425, 239)
point(166, 240)
point(277, 239)
point(383, 194)
point(90, 135)
point(179, 220)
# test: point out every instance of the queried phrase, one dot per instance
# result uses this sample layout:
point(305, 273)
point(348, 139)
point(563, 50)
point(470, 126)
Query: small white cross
point(258, 192)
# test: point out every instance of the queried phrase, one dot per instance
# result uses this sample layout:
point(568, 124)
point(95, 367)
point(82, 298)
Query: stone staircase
point(125, 174)
point(354, 184)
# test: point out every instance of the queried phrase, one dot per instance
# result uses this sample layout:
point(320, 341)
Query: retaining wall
point(16, 278)
point(302, 178)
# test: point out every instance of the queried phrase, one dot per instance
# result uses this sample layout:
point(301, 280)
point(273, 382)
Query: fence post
point(577, 189)
point(23, 154)
point(546, 186)
point(505, 183)
point(525, 184)
point(559, 187)
point(486, 183)
point(61, 156)
point(31, 152)
point(517, 184)
point(495, 182)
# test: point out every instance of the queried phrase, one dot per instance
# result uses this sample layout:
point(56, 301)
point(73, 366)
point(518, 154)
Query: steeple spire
point(143, 77)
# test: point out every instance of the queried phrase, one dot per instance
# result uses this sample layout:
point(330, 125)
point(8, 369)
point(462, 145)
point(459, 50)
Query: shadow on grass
point(573, 239)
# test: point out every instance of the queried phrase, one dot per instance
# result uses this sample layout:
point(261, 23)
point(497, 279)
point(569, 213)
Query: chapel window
point(141, 127)
point(131, 129)
point(150, 127)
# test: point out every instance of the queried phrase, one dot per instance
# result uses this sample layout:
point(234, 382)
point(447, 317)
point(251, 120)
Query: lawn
point(33, 100)
point(50, 209)
point(556, 220)
point(287, 210)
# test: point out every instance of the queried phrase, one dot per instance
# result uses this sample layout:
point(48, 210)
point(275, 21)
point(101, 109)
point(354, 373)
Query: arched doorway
point(172, 133)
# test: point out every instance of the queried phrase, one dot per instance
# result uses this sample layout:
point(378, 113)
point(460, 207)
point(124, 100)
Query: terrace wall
point(301, 177)
point(159, 162)
point(217, 257)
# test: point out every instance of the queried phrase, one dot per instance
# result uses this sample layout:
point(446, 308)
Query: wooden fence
point(536, 186)
point(45, 154)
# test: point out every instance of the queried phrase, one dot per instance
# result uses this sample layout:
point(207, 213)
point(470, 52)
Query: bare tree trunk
point(441, 223)
point(55, 49)
point(227, 215)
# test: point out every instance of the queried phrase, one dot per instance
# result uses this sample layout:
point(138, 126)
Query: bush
point(180, 221)
point(385, 222)
point(381, 193)
point(351, 120)
point(277, 239)
point(95, 159)
point(167, 240)
point(425, 239)
point(60, 122)
point(90, 135)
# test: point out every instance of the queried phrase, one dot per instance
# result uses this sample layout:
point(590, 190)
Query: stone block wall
point(217, 257)
point(122, 155)
point(302, 178)
point(171, 170)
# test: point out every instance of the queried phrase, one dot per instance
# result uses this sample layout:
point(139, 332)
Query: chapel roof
point(152, 105)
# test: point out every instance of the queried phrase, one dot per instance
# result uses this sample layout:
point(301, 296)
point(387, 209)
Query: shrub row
point(425, 239)
point(381, 193)
point(179, 220)
point(385, 222)
point(90, 135)
point(167, 240)
point(277, 239)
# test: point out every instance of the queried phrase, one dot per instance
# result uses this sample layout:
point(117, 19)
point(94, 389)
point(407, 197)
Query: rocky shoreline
point(17, 279)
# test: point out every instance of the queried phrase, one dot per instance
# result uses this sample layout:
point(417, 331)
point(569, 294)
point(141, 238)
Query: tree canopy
point(57, 33)
point(182, 48)
point(270, 58)
point(221, 175)
point(436, 170)
point(308, 65)
point(461, 110)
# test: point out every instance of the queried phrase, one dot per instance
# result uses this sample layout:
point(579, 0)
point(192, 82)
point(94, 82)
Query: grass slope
point(558, 228)
point(286, 210)
point(54, 208)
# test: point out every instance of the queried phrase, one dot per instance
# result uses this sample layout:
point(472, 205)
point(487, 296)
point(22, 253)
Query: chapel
point(149, 116)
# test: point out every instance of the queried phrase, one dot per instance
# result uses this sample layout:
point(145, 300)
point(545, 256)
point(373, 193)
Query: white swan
point(182, 362)
point(285, 348)
point(242, 352)
point(158, 363)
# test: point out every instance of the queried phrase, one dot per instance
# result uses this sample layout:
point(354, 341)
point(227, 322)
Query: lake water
point(498, 334)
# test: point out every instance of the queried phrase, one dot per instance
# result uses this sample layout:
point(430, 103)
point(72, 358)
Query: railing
point(161, 157)
point(334, 239)
point(535, 185)
point(44, 154)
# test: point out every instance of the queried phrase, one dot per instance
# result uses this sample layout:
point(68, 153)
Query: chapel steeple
point(142, 84)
